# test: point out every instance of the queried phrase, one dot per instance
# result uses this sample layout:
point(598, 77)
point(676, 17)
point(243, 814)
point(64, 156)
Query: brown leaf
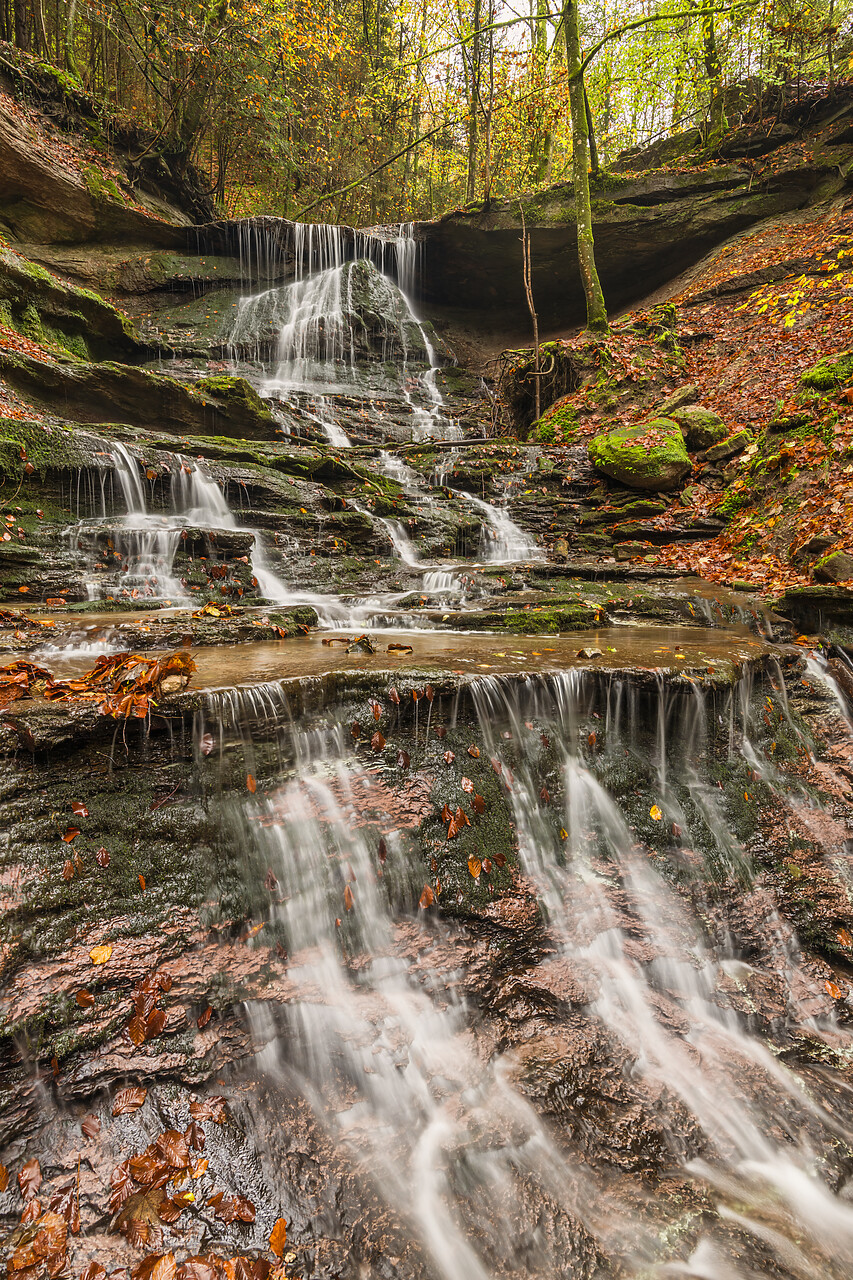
point(382, 850)
point(94, 1271)
point(403, 759)
point(467, 786)
point(500, 859)
point(487, 866)
point(545, 795)
point(170, 1211)
point(474, 752)
point(70, 833)
point(102, 858)
point(429, 693)
point(270, 881)
point(479, 804)
point(449, 757)
point(395, 698)
point(155, 1024)
point(427, 897)
point(440, 731)
point(29, 1179)
point(376, 708)
point(136, 1030)
point(475, 866)
point(141, 881)
point(129, 1100)
point(197, 1269)
point(68, 870)
point(84, 999)
point(377, 742)
point(90, 1126)
point(4, 1177)
point(278, 1237)
point(251, 783)
point(496, 765)
point(194, 1135)
point(211, 1108)
point(203, 1018)
point(79, 809)
point(165, 1268)
point(348, 898)
point(355, 729)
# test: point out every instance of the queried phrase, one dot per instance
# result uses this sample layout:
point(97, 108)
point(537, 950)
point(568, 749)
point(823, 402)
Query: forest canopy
point(366, 111)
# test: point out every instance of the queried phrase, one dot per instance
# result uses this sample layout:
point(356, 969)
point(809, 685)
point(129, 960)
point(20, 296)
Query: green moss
point(98, 184)
point(830, 374)
point(556, 424)
point(650, 455)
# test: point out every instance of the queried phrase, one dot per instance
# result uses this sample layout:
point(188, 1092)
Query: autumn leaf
point(102, 858)
point(349, 901)
point(211, 1108)
point(474, 752)
point(101, 954)
point(29, 1179)
point(656, 813)
point(831, 988)
point(427, 897)
point(70, 833)
point(79, 809)
point(4, 1178)
point(377, 742)
point(475, 866)
point(129, 1100)
point(479, 804)
point(467, 786)
point(278, 1237)
point(403, 759)
point(251, 783)
point(90, 1126)
point(449, 757)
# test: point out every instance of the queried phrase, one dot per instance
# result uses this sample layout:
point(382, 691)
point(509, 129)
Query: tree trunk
point(596, 311)
point(70, 24)
point(474, 108)
point(714, 76)
point(23, 32)
point(594, 167)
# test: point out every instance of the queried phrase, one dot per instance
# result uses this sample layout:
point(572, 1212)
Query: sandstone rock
point(688, 394)
point(650, 455)
point(836, 567)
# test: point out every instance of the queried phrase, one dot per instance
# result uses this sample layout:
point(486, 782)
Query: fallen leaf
point(427, 897)
point(101, 954)
point(278, 1237)
point(251, 783)
point(130, 1099)
point(656, 813)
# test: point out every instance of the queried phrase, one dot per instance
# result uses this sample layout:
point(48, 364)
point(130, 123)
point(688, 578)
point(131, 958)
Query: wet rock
point(647, 456)
point(837, 567)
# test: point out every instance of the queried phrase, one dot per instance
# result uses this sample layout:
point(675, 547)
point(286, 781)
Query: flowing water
point(381, 1033)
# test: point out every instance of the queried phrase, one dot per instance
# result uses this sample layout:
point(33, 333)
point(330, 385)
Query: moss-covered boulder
point(556, 425)
point(836, 567)
point(829, 374)
point(650, 455)
point(700, 427)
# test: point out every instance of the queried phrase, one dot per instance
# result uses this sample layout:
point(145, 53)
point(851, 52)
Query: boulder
point(830, 374)
point(700, 427)
point(650, 455)
point(836, 567)
point(688, 394)
point(729, 447)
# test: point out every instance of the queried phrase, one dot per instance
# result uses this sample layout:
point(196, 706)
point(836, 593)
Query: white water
point(145, 543)
point(379, 1039)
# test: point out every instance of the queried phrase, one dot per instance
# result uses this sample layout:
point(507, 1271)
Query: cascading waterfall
point(143, 545)
point(435, 1115)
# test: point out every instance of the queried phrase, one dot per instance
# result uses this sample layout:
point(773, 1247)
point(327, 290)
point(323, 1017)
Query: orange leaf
point(475, 866)
point(101, 954)
point(251, 783)
point(349, 902)
point(427, 897)
point(278, 1237)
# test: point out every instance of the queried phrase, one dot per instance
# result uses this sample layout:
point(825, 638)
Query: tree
point(596, 311)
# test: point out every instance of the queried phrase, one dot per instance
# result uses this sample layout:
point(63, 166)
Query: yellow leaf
point(655, 813)
point(100, 955)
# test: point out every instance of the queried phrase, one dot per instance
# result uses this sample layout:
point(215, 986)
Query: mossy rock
point(650, 455)
point(729, 447)
point(828, 375)
point(836, 567)
point(700, 427)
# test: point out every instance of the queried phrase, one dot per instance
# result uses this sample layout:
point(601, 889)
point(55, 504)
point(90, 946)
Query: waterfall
point(378, 1035)
point(142, 547)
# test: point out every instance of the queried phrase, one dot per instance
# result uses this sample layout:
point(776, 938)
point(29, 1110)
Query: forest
point(426, 639)
point(367, 113)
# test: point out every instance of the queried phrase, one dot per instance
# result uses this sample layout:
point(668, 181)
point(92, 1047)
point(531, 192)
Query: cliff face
point(649, 226)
